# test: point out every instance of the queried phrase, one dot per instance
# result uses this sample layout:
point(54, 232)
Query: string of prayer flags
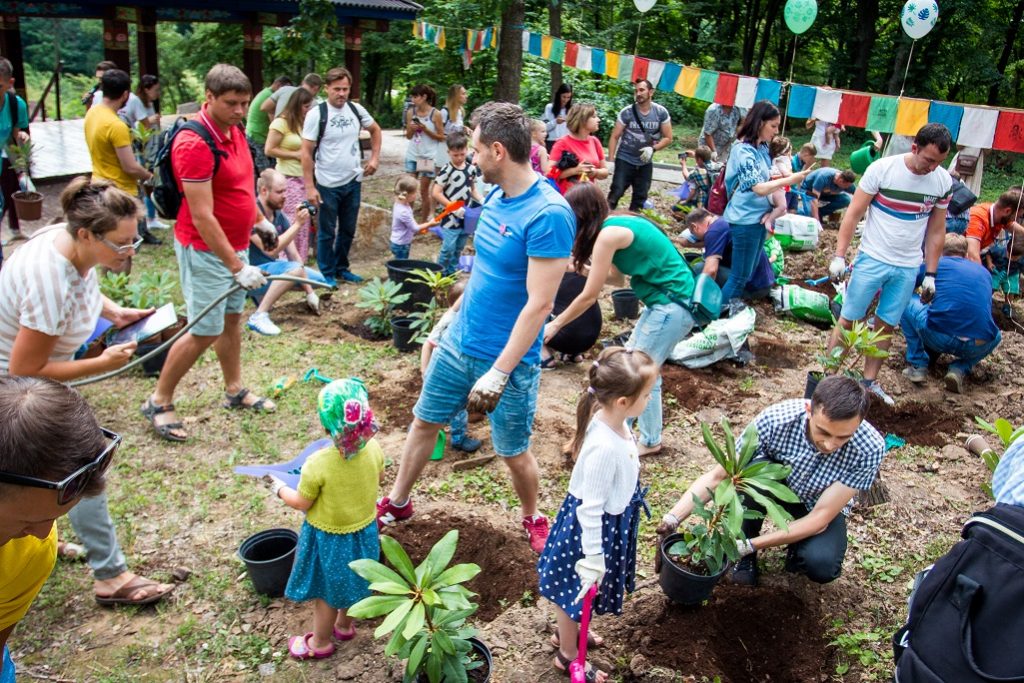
point(1010, 132)
point(826, 105)
point(948, 115)
point(911, 115)
point(978, 127)
point(746, 92)
point(669, 77)
point(767, 89)
point(801, 101)
point(882, 114)
point(626, 67)
point(725, 89)
point(853, 111)
point(707, 84)
point(687, 83)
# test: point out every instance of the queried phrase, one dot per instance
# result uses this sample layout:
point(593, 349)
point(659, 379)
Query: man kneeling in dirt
point(833, 453)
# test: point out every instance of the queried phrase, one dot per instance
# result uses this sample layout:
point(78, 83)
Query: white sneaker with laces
point(876, 389)
point(156, 224)
point(260, 323)
point(313, 303)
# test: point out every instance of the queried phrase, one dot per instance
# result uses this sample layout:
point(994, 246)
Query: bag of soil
point(721, 339)
point(802, 303)
point(797, 233)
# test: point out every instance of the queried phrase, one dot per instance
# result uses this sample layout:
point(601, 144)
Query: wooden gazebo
point(355, 16)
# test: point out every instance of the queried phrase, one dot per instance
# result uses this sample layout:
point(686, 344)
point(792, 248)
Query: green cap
point(345, 413)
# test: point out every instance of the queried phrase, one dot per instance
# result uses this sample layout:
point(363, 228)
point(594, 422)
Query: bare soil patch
point(921, 424)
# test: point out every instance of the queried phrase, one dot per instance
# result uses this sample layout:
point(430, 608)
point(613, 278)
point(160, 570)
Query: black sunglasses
point(71, 487)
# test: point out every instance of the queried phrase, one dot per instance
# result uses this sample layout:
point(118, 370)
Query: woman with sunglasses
point(54, 452)
point(51, 305)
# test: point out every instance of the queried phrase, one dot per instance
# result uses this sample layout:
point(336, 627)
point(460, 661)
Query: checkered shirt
point(782, 438)
point(1008, 479)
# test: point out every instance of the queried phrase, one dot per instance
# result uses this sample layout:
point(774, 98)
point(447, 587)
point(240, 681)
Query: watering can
point(863, 157)
point(578, 668)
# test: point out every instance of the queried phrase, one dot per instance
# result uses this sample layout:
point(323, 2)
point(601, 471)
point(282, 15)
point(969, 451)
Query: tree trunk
point(750, 32)
point(510, 52)
point(555, 26)
point(1012, 28)
point(899, 66)
point(867, 34)
point(771, 16)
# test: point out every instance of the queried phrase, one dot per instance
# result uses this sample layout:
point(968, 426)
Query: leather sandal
point(237, 402)
point(166, 431)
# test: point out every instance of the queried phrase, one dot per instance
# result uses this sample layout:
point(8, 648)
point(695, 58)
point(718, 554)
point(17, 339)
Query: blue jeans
point(747, 245)
point(460, 423)
point(400, 251)
point(339, 212)
point(453, 241)
point(921, 339)
point(92, 524)
point(957, 224)
point(830, 203)
point(659, 329)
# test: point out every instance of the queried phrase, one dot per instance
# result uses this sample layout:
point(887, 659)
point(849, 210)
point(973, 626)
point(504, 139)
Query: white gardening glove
point(744, 547)
point(837, 269)
point(927, 288)
point(714, 155)
point(250, 277)
point(267, 233)
point(460, 213)
point(486, 393)
point(435, 334)
point(274, 483)
point(669, 523)
point(590, 570)
point(646, 154)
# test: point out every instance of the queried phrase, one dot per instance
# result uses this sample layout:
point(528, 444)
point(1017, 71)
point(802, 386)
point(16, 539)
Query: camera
point(309, 206)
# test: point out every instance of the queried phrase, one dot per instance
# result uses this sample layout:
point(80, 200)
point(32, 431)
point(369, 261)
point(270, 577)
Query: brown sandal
point(122, 596)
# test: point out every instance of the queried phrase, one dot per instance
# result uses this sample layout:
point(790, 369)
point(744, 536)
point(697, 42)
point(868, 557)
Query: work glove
point(927, 288)
point(460, 213)
point(590, 570)
point(250, 277)
point(837, 269)
point(646, 154)
point(487, 391)
point(714, 155)
point(744, 547)
point(267, 233)
point(273, 483)
point(669, 523)
point(435, 334)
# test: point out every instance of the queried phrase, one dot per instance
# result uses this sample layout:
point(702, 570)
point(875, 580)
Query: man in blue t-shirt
point(958, 321)
point(13, 129)
point(716, 233)
point(829, 190)
point(488, 353)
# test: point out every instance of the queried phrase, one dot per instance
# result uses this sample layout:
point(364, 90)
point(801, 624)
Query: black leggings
point(582, 333)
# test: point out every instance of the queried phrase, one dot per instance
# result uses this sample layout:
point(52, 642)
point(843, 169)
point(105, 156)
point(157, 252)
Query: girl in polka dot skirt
point(593, 540)
point(338, 490)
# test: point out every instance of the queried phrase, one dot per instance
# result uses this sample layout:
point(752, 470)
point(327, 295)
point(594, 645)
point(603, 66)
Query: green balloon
point(800, 14)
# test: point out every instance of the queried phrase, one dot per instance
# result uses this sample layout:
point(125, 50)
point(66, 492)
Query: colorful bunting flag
point(669, 77)
point(571, 53)
point(640, 65)
point(625, 67)
point(655, 68)
point(707, 84)
point(948, 115)
point(583, 60)
point(526, 42)
point(1009, 132)
point(557, 51)
point(611, 64)
point(746, 92)
point(687, 83)
point(545, 47)
point(725, 90)
point(882, 114)
point(535, 44)
point(826, 105)
point(801, 101)
point(853, 111)
point(767, 89)
point(597, 61)
point(978, 127)
point(910, 116)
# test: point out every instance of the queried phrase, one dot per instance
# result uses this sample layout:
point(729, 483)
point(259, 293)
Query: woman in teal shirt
point(634, 246)
point(748, 182)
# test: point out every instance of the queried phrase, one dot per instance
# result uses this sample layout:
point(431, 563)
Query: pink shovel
point(578, 668)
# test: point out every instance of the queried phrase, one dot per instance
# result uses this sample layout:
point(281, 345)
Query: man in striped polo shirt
point(905, 198)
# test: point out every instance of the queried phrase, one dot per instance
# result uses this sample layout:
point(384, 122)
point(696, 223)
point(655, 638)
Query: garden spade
point(578, 668)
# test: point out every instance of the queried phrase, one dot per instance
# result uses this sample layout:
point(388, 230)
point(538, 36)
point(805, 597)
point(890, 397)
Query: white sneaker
point(156, 224)
point(313, 303)
point(876, 389)
point(260, 323)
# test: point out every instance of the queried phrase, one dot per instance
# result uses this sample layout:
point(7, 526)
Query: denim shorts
point(410, 167)
point(870, 275)
point(204, 278)
point(451, 376)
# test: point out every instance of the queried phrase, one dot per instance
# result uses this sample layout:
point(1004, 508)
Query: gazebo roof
point(270, 11)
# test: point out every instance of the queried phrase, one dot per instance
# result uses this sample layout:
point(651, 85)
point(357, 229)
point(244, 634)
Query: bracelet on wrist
point(930, 274)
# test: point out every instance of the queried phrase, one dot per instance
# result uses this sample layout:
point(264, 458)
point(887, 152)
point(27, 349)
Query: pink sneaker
point(537, 531)
point(389, 514)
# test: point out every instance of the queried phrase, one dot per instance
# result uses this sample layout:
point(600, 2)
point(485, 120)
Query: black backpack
point(322, 128)
point(166, 196)
point(966, 621)
point(961, 198)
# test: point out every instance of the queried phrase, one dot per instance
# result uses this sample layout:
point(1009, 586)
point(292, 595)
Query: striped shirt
point(900, 207)
point(43, 291)
point(1008, 479)
point(782, 437)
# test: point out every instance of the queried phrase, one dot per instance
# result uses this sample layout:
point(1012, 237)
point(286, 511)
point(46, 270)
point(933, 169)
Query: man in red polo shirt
point(988, 220)
point(212, 245)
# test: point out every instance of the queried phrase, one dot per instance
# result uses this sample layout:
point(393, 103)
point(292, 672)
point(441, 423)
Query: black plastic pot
point(483, 654)
point(626, 305)
point(268, 558)
point(153, 366)
point(400, 270)
point(812, 383)
point(680, 585)
point(403, 334)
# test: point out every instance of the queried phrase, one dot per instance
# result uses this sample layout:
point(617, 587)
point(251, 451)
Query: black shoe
point(150, 238)
point(619, 340)
point(745, 572)
point(467, 445)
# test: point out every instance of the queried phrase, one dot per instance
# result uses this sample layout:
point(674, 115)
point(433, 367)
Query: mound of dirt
point(741, 635)
point(921, 424)
point(509, 567)
point(695, 390)
point(777, 354)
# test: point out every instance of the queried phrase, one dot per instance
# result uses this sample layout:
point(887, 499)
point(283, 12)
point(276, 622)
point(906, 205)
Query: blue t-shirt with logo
point(960, 307)
point(718, 242)
point(538, 224)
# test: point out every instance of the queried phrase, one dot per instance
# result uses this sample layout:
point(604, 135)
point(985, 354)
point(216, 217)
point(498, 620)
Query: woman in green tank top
point(634, 246)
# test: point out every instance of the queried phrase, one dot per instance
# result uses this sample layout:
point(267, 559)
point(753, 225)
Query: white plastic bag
point(721, 339)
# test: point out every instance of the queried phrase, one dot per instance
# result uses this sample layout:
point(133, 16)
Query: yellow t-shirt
point(344, 491)
point(291, 141)
point(25, 564)
point(104, 132)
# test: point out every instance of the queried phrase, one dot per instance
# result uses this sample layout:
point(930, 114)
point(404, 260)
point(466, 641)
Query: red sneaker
point(387, 513)
point(537, 531)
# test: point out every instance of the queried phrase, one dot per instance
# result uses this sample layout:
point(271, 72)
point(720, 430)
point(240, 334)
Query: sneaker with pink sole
point(389, 513)
point(537, 531)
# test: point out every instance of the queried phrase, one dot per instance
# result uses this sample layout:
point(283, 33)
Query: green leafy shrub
point(855, 344)
point(381, 297)
point(426, 609)
point(150, 290)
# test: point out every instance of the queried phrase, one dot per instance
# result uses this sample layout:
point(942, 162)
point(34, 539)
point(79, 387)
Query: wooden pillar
point(252, 52)
point(147, 52)
point(10, 47)
point(115, 39)
point(353, 56)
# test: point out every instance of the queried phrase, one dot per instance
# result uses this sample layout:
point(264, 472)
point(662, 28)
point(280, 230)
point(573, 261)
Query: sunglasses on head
point(71, 487)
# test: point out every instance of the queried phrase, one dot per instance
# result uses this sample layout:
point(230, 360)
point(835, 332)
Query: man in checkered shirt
point(833, 452)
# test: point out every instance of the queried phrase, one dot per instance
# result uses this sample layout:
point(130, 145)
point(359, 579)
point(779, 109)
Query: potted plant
point(855, 344)
point(27, 202)
point(381, 297)
point(426, 607)
point(404, 273)
point(421, 322)
point(976, 444)
point(694, 559)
